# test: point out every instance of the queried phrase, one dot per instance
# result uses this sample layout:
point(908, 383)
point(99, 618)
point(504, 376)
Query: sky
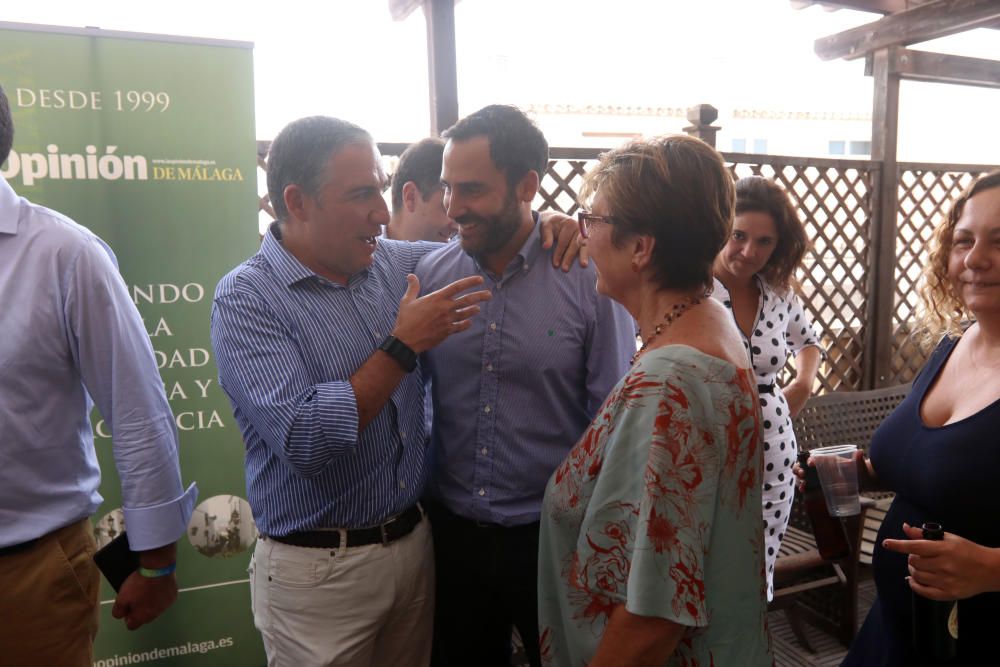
point(348, 58)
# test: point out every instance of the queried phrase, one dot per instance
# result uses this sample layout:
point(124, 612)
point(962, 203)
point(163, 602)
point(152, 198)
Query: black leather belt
point(396, 528)
point(765, 389)
point(484, 525)
point(17, 548)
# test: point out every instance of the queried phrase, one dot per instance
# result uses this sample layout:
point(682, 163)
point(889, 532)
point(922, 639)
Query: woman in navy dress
point(939, 451)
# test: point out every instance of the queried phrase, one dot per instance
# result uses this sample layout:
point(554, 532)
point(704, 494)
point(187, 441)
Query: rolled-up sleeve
point(116, 362)
point(263, 372)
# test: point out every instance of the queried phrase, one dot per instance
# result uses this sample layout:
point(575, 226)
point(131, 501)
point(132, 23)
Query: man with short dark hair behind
point(417, 208)
point(317, 337)
point(418, 212)
point(72, 337)
point(511, 393)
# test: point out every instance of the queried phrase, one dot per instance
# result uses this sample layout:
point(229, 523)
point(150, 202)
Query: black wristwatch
point(399, 351)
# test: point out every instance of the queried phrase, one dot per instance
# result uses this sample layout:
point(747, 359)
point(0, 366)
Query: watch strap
point(400, 351)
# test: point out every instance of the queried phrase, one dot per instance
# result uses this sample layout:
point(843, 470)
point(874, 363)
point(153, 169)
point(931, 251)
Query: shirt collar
point(718, 287)
point(284, 264)
point(532, 247)
point(526, 256)
point(765, 288)
point(10, 208)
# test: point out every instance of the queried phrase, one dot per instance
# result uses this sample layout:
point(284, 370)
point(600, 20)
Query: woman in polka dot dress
point(754, 279)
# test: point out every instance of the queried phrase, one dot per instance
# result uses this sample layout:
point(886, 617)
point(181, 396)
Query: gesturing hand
point(950, 569)
point(424, 322)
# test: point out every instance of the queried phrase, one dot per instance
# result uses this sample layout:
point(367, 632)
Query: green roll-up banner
point(149, 141)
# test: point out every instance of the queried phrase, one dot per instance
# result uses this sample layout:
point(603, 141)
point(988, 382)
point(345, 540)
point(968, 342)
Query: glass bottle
point(935, 622)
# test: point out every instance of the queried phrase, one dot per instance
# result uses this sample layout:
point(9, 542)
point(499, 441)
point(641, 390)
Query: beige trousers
point(369, 606)
point(48, 600)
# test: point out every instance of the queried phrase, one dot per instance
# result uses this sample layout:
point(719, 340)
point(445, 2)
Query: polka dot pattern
point(782, 328)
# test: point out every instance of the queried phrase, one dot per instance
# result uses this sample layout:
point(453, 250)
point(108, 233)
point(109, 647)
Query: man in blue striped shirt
point(316, 337)
point(512, 393)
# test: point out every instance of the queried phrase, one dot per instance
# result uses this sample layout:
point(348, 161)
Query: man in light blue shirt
point(72, 337)
point(511, 394)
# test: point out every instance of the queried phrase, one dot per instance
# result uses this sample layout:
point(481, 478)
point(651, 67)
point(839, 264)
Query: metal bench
point(808, 588)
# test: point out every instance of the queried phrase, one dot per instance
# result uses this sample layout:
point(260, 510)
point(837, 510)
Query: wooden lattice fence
point(834, 199)
point(839, 275)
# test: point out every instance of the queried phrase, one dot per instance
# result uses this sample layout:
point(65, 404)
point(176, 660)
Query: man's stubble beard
point(500, 228)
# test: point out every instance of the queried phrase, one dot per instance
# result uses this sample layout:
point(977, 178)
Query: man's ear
point(527, 187)
point(295, 201)
point(410, 194)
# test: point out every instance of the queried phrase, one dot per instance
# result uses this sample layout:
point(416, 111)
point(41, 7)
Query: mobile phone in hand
point(117, 561)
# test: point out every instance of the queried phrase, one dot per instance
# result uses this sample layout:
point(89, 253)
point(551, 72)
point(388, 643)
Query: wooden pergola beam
point(880, 6)
point(930, 21)
point(400, 9)
point(942, 68)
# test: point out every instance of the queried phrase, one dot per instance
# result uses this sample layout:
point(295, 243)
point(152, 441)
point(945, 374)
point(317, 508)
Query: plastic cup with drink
point(838, 475)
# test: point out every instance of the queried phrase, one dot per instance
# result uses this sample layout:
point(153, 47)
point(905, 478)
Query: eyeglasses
point(586, 219)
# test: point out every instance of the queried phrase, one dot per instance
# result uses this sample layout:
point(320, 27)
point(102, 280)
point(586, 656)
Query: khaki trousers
point(48, 600)
point(368, 606)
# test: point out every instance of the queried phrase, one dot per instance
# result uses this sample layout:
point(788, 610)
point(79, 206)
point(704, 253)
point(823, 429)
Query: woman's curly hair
point(943, 311)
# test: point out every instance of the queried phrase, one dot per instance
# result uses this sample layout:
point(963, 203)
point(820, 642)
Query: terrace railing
point(868, 345)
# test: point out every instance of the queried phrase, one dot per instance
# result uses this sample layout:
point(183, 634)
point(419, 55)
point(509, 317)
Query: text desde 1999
point(93, 100)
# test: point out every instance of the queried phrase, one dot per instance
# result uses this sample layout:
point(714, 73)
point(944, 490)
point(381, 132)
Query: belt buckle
point(385, 532)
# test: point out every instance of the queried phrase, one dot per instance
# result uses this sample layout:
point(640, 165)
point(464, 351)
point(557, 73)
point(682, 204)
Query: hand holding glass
point(838, 475)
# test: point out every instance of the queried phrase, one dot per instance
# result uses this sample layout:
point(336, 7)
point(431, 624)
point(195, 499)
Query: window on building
point(837, 148)
point(760, 145)
point(739, 145)
point(860, 147)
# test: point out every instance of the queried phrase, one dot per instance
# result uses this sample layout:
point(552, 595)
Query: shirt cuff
point(338, 415)
point(159, 525)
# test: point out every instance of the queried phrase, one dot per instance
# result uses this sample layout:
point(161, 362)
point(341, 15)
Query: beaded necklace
point(671, 316)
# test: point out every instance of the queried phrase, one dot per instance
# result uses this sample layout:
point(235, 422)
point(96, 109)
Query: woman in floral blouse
point(651, 540)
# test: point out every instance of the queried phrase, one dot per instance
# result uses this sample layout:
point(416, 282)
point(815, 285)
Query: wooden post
point(441, 63)
point(702, 116)
point(885, 207)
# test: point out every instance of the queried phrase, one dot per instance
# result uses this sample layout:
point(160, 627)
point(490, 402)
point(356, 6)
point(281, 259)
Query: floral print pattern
point(657, 507)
